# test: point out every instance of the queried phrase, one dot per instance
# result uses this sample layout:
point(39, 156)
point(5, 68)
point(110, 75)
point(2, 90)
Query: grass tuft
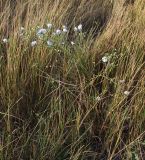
point(72, 82)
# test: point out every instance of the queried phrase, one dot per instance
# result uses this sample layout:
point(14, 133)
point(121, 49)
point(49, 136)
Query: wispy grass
point(73, 95)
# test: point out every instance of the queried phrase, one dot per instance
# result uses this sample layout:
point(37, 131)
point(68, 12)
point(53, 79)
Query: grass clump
point(71, 84)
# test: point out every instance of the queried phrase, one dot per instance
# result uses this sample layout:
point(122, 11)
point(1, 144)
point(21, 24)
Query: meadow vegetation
point(72, 80)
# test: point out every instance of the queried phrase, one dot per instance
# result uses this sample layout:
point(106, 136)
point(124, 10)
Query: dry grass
point(63, 102)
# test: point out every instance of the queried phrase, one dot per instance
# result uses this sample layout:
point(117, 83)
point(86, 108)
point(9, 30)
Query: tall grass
point(81, 99)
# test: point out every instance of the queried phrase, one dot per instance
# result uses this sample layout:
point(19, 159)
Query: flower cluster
point(48, 34)
point(54, 37)
point(78, 28)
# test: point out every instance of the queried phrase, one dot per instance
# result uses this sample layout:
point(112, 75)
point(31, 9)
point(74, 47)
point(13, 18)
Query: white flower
point(72, 43)
point(64, 26)
point(33, 43)
point(58, 31)
point(122, 81)
point(98, 98)
point(22, 28)
point(104, 59)
point(75, 29)
point(54, 33)
point(49, 43)
point(49, 25)
point(21, 34)
point(64, 30)
point(80, 27)
point(41, 31)
point(126, 93)
point(5, 40)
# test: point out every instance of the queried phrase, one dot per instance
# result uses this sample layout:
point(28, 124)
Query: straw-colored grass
point(81, 101)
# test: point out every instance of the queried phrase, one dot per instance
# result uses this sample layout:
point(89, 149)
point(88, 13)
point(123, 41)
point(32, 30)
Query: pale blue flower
point(49, 43)
point(58, 31)
point(41, 31)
